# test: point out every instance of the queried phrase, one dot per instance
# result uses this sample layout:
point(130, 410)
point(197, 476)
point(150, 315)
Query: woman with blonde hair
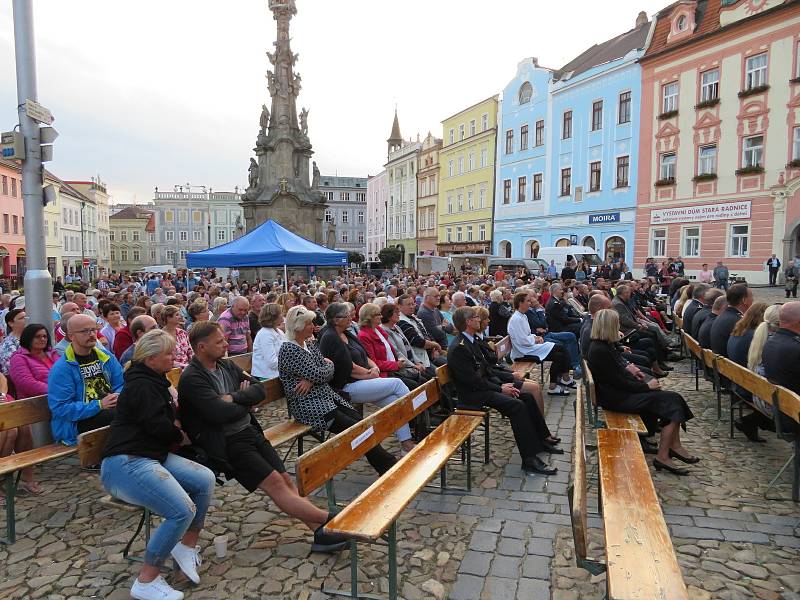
point(140, 468)
point(765, 329)
point(619, 390)
point(685, 296)
point(219, 306)
point(742, 335)
point(286, 301)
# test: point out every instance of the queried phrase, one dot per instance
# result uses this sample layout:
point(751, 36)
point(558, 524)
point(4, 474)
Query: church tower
point(395, 140)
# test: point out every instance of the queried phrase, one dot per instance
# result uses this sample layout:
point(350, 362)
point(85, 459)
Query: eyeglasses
point(86, 331)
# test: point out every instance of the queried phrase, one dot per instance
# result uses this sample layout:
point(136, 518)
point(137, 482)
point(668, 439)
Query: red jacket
point(122, 341)
point(372, 343)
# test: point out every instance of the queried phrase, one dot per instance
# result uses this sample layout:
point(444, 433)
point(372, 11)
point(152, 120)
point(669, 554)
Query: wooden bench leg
point(795, 458)
point(11, 521)
point(391, 538)
point(486, 438)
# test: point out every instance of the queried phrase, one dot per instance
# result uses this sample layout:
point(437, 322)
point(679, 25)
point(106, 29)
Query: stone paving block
point(734, 535)
point(779, 519)
point(772, 529)
point(499, 587)
point(556, 488)
point(536, 567)
point(534, 483)
point(529, 496)
point(691, 511)
point(541, 546)
point(538, 508)
point(476, 510)
point(556, 519)
point(545, 530)
point(466, 587)
point(719, 523)
point(533, 589)
point(730, 514)
point(483, 541)
point(493, 525)
point(516, 530)
point(678, 520)
point(515, 515)
point(511, 547)
point(696, 533)
point(508, 504)
point(475, 563)
point(511, 484)
point(787, 541)
point(506, 566)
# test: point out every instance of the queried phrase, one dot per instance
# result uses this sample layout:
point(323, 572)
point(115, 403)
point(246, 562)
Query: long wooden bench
point(613, 419)
point(640, 559)
point(19, 413)
point(444, 379)
point(503, 349)
point(375, 511)
point(696, 354)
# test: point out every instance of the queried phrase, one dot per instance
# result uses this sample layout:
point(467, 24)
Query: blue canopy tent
point(268, 245)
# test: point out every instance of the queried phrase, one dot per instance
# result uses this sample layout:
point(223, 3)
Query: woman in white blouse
point(268, 341)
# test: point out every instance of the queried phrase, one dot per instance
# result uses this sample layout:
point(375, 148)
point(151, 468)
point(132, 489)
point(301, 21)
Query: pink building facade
point(719, 175)
point(12, 220)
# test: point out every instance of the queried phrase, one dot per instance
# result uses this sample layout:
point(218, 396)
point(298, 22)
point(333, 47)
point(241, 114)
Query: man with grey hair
point(459, 299)
point(430, 316)
point(236, 326)
point(559, 317)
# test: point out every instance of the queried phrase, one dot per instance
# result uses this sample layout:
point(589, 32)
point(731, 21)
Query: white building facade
point(346, 201)
point(377, 199)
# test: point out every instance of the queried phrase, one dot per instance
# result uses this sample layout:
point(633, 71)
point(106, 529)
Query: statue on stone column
point(264, 120)
point(315, 179)
point(272, 84)
point(271, 57)
point(304, 121)
point(252, 174)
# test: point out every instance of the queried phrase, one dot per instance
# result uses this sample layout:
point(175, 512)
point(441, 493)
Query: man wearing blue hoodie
point(83, 385)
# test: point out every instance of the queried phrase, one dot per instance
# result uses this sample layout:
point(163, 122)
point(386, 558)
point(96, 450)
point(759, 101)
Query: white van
point(562, 254)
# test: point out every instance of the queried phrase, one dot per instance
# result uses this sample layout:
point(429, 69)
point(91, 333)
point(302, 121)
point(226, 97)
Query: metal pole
point(83, 250)
point(38, 284)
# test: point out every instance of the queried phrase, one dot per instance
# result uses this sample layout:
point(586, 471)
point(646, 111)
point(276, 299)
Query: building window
point(522, 183)
point(539, 132)
point(449, 205)
point(594, 176)
point(707, 160)
point(345, 216)
point(509, 141)
point(6, 223)
point(691, 241)
point(135, 236)
point(152, 255)
point(506, 191)
point(566, 181)
point(113, 256)
point(482, 198)
point(450, 168)
point(170, 236)
point(124, 235)
point(460, 165)
point(470, 204)
point(670, 97)
point(328, 215)
point(449, 234)
point(597, 115)
point(525, 93)
point(360, 216)
point(184, 236)
point(796, 144)
point(566, 129)
point(471, 161)
point(472, 127)
point(111, 236)
point(136, 256)
point(740, 240)
point(658, 246)
point(484, 157)
point(5, 185)
point(667, 170)
point(482, 233)
point(170, 256)
point(124, 254)
point(469, 233)
point(623, 165)
point(459, 234)
point(452, 136)
point(624, 108)
point(221, 235)
point(537, 186)
point(169, 216)
point(151, 237)
point(523, 137)
point(344, 237)
point(756, 71)
point(709, 85)
point(360, 238)
point(196, 236)
point(13, 187)
point(753, 152)
point(460, 202)
point(461, 132)
point(485, 121)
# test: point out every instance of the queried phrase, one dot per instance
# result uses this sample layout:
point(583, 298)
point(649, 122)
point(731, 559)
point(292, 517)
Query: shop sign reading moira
point(706, 212)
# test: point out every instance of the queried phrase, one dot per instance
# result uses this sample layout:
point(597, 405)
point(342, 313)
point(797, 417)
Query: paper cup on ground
point(221, 546)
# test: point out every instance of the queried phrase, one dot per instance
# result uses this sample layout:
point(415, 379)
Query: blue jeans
point(179, 490)
point(570, 343)
point(381, 391)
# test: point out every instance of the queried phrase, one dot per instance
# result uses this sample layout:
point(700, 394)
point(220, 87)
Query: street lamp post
point(83, 252)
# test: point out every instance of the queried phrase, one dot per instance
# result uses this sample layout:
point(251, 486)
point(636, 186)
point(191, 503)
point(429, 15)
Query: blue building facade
point(582, 179)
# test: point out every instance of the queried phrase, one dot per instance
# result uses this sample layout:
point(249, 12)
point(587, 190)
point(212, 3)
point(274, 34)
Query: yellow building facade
point(466, 176)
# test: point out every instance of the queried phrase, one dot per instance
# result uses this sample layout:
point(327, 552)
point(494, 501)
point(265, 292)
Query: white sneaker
point(188, 560)
point(158, 589)
point(557, 391)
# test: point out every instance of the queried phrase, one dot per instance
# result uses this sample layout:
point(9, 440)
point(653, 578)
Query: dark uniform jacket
point(722, 328)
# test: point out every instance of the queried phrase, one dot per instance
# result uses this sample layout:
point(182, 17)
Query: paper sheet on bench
point(419, 400)
point(362, 438)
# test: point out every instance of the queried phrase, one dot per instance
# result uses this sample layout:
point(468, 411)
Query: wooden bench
point(503, 349)
point(244, 361)
point(19, 413)
point(443, 377)
point(288, 431)
point(678, 329)
point(90, 451)
point(696, 354)
point(375, 511)
point(709, 362)
point(613, 419)
point(576, 491)
point(640, 560)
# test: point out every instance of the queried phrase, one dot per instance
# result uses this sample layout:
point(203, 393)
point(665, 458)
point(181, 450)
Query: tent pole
point(285, 278)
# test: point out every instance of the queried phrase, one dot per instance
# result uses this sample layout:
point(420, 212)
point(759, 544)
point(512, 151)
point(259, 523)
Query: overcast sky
point(164, 92)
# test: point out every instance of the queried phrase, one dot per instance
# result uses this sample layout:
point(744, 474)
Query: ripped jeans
point(179, 490)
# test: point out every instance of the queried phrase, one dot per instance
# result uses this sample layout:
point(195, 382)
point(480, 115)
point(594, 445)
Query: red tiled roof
point(132, 212)
point(151, 223)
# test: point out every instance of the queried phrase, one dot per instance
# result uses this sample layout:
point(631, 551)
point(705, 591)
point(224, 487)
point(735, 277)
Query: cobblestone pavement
point(510, 538)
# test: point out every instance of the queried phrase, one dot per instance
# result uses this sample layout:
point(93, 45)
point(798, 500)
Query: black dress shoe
point(328, 542)
point(750, 432)
point(666, 367)
point(552, 449)
point(676, 470)
point(553, 440)
point(537, 465)
point(689, 460)
point(647, 447)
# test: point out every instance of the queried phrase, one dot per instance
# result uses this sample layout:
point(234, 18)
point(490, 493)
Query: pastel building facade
point(720, 139)
point(466, 180)
point(377, 200)
point(401, 208)
point(12, 236)
point(567, 152)
point(346, 209)
point(428, 194)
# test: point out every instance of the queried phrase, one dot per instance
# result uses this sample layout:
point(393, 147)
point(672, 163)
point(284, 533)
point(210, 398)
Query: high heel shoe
point(689, 460)
point(676, 470)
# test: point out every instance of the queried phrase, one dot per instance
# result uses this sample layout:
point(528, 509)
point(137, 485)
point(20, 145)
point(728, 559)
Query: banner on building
point(706, 212)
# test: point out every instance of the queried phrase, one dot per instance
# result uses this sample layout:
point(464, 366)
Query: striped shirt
point(236, 332)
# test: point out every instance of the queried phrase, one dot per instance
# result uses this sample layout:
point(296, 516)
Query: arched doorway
point(402, 250)
point(563, 243)
point(21, 265)
point(615, 248)
point(533, 249)
point(505, 248)
point(589, 242)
